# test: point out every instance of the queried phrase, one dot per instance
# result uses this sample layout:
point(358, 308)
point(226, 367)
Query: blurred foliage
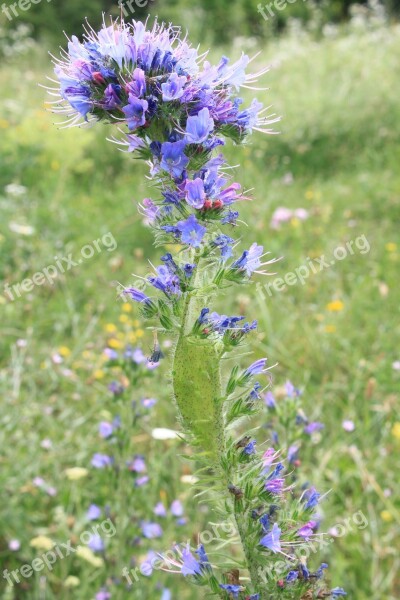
point(213, 20)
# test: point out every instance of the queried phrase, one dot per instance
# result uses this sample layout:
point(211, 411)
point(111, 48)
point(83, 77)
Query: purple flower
point(174, 159)
point(313, 427)
point(250, 448)
point(135, 112)
point(14, 545)
point(106, 429)
point(166, 594)
point(192, 232)
point(100, 461)
point(103, 595)
point(272, 539)
point(149, 402)
point(199, 127)
point(231, 589)
point(275, 486)
point(111, 354)
point(291, 391)
point(292, 576)
point(292, 453)
point(256, 368)
point(137, 465)
point(93, 512)
point(195, 194)
point(173, 88)
point(96, 543)
point(269, 400)
point(115, 387)
point(250, 260)
point(190, 565)
point(151, 530)
point(177, 508)
point(140, 481)
point(160, 510)
point(307, 530)
point(137, 86)
point(111, 96)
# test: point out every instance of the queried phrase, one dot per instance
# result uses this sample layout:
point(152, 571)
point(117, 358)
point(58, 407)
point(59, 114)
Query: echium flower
point(175, 110)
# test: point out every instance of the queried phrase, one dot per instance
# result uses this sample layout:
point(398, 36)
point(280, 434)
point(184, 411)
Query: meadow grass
point(334, 336)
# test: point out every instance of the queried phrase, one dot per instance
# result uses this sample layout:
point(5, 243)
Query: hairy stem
point(198, 392)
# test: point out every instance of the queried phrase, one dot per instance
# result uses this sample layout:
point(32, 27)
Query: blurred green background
point(335, 79)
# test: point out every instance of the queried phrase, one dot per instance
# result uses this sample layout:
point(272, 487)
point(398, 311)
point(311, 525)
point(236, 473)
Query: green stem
point(198, 393)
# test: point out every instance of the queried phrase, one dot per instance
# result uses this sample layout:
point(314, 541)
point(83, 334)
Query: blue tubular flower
point(320, 571)
point(195, 194)
point(201, 553)
point(265, 523)
point(272, 539)
point(188, 270)
point(250, 260)
point(135, 112)
point(199, 127)
point(203, 316)
point(256, 368)
point(224, 243)
point(173, 88)
point(174, 159)
point(233, 590)
point(230, 218)
point(250, 448)
point(166, 281)
point(190, 565)
point(304, 571)
point(292, 576)
point(170, 263)
point(137, 86)
point(191, 231)
point(337, 592)
point(112, 96)
point(312, 497)
point(138, 296)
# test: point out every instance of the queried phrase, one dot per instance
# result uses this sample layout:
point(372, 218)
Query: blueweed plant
point(176, 110)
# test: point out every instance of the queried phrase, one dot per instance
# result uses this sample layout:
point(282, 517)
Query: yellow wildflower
point(76, 473)
point(64, 351)
point(71, 582)
point(42, 542)
point(114, 343)
point(396, 430)
point(89, 556)
point(335, 306)
point(386, 516)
